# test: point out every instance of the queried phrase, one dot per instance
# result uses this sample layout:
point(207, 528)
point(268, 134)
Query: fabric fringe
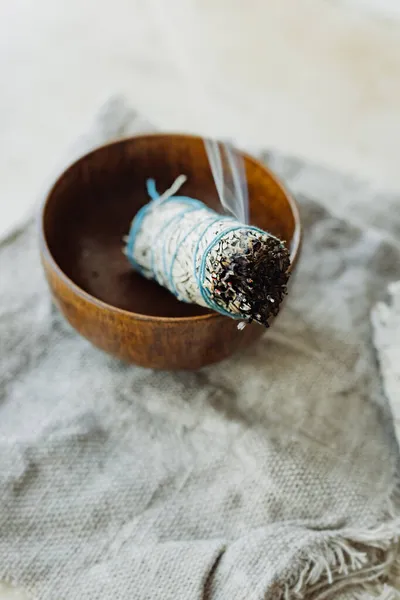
point(360, 563)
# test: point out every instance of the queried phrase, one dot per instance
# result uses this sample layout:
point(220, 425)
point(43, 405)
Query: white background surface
point(311, 77)
point(314, 78)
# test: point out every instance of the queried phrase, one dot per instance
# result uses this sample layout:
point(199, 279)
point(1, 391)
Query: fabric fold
point(273, 475)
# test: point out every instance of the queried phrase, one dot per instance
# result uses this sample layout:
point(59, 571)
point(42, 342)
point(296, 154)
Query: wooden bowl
point(83, 221)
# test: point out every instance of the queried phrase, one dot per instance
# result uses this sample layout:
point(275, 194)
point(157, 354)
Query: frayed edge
point(367, 561)
point(367, 592)
point(363, 563)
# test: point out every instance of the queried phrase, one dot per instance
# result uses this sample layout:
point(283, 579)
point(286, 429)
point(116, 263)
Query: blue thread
point(203, 292)
point(192, 207)
point(200, 278)
point(162, 230)
point(170, 280)
point(199, 240)
point(191, 204)
point(151, 189)
point(136, 224)
point(140, 215)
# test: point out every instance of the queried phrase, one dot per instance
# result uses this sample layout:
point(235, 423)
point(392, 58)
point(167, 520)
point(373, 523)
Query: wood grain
point(86, 215)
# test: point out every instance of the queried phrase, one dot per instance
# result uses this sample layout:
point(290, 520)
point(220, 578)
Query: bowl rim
point(76, 289)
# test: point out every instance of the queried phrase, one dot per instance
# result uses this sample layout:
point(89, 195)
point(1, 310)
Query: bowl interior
point(91, 206)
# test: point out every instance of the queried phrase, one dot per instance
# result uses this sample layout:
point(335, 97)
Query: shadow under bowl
point(84, 219)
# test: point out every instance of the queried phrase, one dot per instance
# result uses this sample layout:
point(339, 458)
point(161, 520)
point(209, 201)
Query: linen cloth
point(272, 475)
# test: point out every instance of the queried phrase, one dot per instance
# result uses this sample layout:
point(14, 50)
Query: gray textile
point(273, 473)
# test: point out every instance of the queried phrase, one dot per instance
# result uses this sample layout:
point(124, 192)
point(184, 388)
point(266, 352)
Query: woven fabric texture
point(272, 475)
